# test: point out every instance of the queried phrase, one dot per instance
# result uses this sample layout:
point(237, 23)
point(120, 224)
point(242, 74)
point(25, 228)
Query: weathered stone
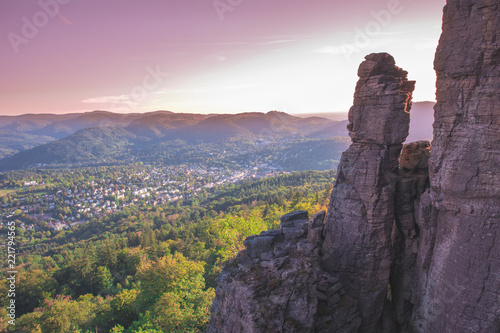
point(459, 276)
point(360, 217)
point(429, 227)
point(257, 245)
point(293, 233)
point(271, 233)
point(315, 229)
point(293, 216)
point(404, 278)
point(281, 292)
point(317, 220)
point(415, 157)
point(382, 102)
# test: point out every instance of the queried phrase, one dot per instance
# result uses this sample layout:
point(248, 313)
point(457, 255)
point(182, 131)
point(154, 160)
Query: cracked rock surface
point(277, 284)
point(411, 241)
point(461, 280)
point(361, 213)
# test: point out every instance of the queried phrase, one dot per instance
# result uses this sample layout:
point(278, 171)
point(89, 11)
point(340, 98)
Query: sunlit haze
point(223, 56)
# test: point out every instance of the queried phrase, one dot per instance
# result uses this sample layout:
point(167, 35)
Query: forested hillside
point(147, 268)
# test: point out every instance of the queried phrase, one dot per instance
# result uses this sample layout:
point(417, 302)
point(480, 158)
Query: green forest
point(146, 268)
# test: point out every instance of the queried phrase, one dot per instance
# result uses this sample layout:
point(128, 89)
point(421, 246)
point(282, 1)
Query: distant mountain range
point(33, 139)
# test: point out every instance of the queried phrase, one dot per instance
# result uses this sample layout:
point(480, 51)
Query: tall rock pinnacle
point(430, 229)
point(460, 273)
point(361, 213)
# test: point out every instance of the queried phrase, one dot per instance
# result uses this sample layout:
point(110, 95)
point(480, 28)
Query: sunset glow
point(205, 57)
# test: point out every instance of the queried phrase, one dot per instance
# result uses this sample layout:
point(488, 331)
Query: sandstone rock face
point(361, 213)
point(415, 157)
point(430, 229)
point(312, 277)
point(407, 237)
point(277, 285)
point(460, 272)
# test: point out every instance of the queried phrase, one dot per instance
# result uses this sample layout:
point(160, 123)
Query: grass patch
point(4, 193)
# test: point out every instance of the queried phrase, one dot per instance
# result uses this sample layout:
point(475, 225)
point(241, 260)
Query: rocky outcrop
point(308, 277)
point(277, 284)
point(409, 249)
point(361, 213)
point(460, 272)
point(415, 157)
point(410, 188)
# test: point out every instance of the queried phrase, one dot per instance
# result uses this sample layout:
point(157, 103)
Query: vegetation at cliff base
point(146, 268)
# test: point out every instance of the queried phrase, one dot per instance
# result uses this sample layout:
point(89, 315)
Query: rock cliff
point(277, 284)
point(411, 239)
point(460, 268)
point(361, 213)
point(333, 277)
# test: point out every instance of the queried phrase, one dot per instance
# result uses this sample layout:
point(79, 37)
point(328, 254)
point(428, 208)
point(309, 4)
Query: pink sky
point(183, 55)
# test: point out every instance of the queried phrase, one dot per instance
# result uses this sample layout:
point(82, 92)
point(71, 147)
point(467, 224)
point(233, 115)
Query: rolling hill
point(135, 136)
point(105, 137)
point(92, 145)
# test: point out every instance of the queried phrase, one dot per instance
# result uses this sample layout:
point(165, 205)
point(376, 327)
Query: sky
point(206, 56)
